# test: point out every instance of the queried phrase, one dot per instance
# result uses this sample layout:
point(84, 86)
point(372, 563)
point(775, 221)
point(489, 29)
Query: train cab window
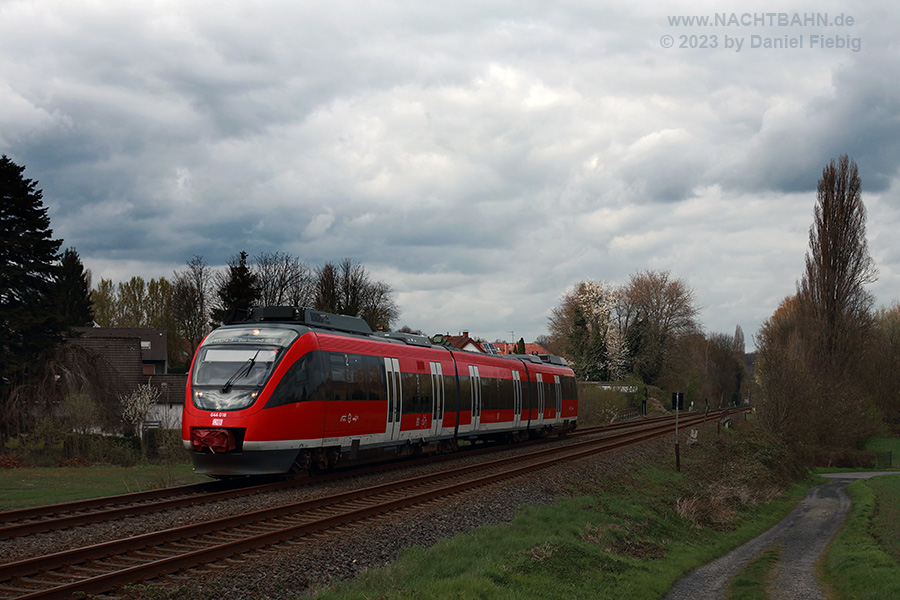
point(303, 381)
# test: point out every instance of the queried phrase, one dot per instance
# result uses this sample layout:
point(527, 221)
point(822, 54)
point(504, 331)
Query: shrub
point(103, 449)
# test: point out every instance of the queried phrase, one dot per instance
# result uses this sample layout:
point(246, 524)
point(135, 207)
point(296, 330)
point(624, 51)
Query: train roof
point(316, 319)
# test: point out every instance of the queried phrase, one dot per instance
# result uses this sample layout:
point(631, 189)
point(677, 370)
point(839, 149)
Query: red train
point(293, 389)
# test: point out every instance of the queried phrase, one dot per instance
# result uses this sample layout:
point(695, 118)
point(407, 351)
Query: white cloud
point(481, 157)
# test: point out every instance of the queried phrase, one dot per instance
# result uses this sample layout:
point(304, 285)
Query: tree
point(378, 308)
point(814, 352)
point(347, 289)
point(190, 290)
point(132, 303)
point(327, 296)
point(520, 346)
point(136, 405)
point(29, 324)
point(582, 329)
point(884, 366)
point(72, 293)
point(238, 289)
point(105, 304)
point(655, 311)
point(283, 280)
point(838, 265)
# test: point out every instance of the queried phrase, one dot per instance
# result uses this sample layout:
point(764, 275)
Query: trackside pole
point(677, 404)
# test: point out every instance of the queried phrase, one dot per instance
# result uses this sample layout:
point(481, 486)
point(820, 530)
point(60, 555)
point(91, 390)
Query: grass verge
point(863, 561)
point(631, 537)
point(21, 488)
point(750, 584)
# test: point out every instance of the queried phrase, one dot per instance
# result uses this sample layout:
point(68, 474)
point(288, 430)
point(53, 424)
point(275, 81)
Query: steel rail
point(28, 521)
point(103, 582)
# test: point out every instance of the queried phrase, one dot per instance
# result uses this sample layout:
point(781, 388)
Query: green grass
point(21, 488)
point(884, 445)
point(750, 583)
point(624, 541)
point(863, 561)
point(891, 445)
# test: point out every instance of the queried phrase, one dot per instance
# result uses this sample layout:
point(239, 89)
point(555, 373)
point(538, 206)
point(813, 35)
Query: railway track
point(102, 567)
point(54, 517)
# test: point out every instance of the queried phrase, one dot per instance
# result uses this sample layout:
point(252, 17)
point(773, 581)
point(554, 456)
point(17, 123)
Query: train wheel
point(319, 461)
point(301, 465)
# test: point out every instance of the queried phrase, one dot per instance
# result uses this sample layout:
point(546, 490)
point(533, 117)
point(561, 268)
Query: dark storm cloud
point(481, 157)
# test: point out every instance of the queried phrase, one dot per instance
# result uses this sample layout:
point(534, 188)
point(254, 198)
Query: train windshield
point(233, 365)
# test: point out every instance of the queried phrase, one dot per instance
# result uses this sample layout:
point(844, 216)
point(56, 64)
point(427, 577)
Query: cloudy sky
point(481, 157)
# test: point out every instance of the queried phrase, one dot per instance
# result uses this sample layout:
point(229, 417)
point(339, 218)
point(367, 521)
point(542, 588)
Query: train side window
point(450, 393)
point(356, 377)
point(416, 393)
point(375, 377)
point(337, 385)
point(465, 393)
point(489, 394)
point(505, 398)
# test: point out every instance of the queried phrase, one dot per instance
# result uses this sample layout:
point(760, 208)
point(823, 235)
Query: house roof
point(506, 348)
point(464, 342)
point(153, 341)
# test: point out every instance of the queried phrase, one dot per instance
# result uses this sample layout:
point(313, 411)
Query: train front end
point(224, 426)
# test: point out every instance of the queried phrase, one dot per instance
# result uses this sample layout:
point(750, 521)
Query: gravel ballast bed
point(290, 570)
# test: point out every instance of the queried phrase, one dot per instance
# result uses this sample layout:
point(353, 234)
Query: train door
point(540, 398)
point(517, 398)
point(557, 390)
point(437, 407)
point(476, 396)
point(394, 397)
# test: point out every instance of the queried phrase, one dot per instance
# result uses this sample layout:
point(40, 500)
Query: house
point(505, 348)
point(133, 357)
point(116, 343)
point(464, 342)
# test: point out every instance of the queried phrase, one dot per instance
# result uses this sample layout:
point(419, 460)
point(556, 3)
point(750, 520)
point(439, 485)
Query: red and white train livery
point(293, 388)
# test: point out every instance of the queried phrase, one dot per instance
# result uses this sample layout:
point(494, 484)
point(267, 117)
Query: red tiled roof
point(461, 341)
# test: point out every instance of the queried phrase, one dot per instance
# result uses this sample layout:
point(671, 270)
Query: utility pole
point(677, 405)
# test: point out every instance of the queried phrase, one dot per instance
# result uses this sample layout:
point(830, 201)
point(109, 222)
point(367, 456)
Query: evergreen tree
point(238, 289)
point(72, 294)
point(29, 325)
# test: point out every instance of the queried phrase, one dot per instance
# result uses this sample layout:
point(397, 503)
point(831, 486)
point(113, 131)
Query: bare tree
point(347, 289)
point(813, 353)
point(379, 309)
point(838, 265)
point(190, 302)
point(327, 293)
point(654, 311)
point(283, 280)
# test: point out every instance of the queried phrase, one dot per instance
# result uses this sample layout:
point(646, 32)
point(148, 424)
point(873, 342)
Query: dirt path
point(801, 536)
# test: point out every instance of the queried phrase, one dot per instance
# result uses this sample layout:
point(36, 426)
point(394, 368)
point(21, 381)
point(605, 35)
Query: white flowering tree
point(584, 325)
point(137, 404)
